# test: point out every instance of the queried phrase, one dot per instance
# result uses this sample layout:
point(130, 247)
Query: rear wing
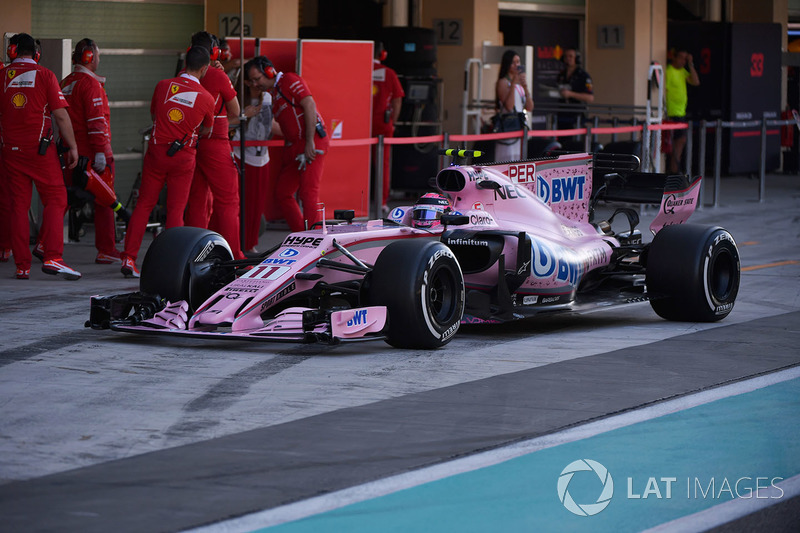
point(676, 194)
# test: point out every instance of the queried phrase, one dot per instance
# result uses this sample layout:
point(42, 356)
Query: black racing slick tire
point(421, 284)
point(179, 265)
point(693, 273)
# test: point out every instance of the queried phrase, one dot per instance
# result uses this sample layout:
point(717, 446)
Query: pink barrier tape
point(484, 136)
point(336, 142)
point(669, 126)
point(754, 133)
point(556, 133)
point(619, 129)
point(414, 140)
point(354, 142)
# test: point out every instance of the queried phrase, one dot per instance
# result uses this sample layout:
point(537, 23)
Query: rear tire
point(179, 265)
point(421, 284)
point(693, 273)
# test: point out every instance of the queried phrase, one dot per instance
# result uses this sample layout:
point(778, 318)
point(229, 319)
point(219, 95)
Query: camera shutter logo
point(585, 509)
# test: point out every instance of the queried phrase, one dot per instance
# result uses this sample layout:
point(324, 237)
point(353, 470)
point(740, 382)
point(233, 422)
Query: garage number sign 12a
point(230, 24)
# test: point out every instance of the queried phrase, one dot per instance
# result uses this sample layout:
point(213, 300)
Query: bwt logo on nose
point(359, 317)
point(566, 189)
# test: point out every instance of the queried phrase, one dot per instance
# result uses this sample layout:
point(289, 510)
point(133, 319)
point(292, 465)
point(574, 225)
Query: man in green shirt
point(677, 76)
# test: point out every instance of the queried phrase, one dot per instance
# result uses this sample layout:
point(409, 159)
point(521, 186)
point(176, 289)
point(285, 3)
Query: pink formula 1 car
point(496, 243)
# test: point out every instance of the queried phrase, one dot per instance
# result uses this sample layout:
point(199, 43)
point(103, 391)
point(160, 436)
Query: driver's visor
point(426, 214)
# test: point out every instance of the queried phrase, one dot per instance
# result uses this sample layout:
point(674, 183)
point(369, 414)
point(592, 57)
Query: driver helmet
point(429, 209)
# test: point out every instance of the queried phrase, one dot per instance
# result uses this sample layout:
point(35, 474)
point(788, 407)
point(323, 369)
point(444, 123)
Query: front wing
point(138, 313)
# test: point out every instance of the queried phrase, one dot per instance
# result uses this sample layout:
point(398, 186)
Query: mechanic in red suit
point(90, 116)
point(303, 155)
point(387, 99)
point(180, 106)
point(5, 207)
point(215, 170)
point(5, 211)
point(30, 100)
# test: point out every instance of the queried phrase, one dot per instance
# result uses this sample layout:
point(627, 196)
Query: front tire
point(179, 265)
point(693, 273)
point(421, 284)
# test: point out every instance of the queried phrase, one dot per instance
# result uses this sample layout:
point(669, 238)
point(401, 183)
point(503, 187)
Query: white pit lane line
point(708, 518)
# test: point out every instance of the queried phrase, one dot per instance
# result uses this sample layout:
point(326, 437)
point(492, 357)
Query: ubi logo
point(585, 465)
point(289, 252)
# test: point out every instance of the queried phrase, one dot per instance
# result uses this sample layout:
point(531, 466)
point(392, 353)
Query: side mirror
point(344, 214)
point(487, 184)
point(455, 220)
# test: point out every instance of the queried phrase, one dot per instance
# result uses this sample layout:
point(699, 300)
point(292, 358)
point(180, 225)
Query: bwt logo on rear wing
point(563, 185)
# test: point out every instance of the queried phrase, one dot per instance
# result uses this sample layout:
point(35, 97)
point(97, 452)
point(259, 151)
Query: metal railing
point(588, 133)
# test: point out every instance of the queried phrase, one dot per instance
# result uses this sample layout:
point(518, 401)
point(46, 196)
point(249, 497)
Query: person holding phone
point(512, 96)
point(680, 71)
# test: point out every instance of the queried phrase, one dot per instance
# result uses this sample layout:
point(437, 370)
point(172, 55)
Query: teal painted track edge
point(752, 435)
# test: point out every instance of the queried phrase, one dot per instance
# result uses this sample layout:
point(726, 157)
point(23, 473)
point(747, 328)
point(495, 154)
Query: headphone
point(214, 54)
point(87, 55)
point(577, 56)
point(215, 51)
point(11, 51)
point(266, 68)
point(382, 54)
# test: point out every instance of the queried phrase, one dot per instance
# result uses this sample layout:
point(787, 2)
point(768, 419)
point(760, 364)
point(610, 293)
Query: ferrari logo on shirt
point(186, 98)
point(19, 100)
point(175, 115)
point(11, 74)
point(174, 88)
point(24, 80)
point(69, 88)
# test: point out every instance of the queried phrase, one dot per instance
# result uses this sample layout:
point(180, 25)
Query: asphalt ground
point(105, 431)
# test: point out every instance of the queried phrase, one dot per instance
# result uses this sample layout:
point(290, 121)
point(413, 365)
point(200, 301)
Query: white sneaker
point(56, 267)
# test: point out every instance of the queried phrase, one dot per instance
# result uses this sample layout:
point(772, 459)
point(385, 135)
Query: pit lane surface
point(238, 427)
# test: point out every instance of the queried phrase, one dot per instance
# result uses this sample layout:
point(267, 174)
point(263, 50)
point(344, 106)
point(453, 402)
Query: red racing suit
point(385, 88)
point(5, 207)
point(29, 94)
point(289, 90)
point(215, 169)
point(179, 106)
point(91, 119)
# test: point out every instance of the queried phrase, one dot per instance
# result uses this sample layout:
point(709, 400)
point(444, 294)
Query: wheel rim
point(722, 276)
point(203, 284)
point(442, 295)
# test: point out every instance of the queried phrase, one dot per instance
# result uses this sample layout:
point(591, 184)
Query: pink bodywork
point(547, 201)
point(676, 207)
